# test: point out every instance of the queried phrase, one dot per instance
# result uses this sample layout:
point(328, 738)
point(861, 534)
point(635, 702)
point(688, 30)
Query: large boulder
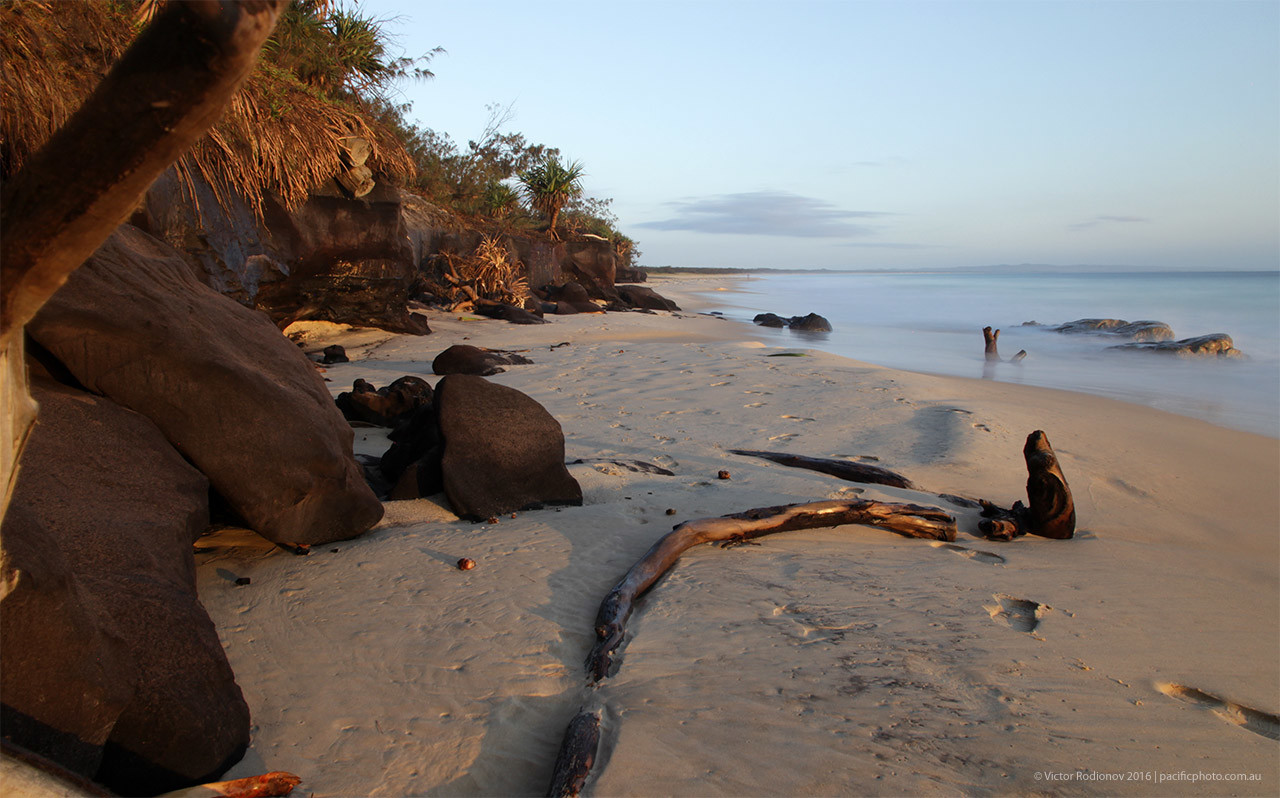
point(111, 666)
point(467, 359)
point(231, 393)
point(502, 450)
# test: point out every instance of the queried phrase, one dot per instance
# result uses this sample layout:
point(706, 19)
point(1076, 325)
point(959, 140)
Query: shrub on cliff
point(549, 185)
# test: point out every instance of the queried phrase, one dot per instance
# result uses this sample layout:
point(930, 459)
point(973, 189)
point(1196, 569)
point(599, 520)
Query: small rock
point(671, 511)
point(724, 475)
point(335, 354)
point(466, 564)
point(243, 580)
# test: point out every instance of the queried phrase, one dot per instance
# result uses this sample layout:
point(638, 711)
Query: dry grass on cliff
point(278, 136)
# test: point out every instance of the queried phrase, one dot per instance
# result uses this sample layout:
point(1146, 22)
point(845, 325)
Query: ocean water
point(932, 323)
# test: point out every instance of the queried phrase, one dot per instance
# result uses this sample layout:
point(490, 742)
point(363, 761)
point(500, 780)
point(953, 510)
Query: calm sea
point(932, 323)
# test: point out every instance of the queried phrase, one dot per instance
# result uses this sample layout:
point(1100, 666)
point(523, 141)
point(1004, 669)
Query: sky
point(885, 135)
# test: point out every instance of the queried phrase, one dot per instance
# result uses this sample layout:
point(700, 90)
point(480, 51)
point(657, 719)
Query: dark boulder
point(770, 320)
point(1118, 328)
point(502, 450)
point(509, 313)
point(640, 297)
point(106, 511)
point(467, 359)
point(231, 393)
point(573, 295)
point(1214, 345)
point(811, 323)
point(335, 354)
point(386, 406)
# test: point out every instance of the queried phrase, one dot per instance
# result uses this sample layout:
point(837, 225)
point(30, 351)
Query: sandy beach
point(844, 661)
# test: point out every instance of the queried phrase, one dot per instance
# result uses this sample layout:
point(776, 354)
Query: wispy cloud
point(890, 245)
point(770, 213)
point(1098, 221)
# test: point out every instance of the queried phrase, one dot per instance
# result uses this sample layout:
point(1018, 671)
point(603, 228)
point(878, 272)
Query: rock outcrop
point(336, 258)
point(1214, 345)
point(1119, 328)
point(219, 380)
point(111, 666)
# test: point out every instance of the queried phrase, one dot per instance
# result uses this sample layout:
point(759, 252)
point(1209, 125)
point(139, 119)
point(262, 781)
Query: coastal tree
point(549, 185)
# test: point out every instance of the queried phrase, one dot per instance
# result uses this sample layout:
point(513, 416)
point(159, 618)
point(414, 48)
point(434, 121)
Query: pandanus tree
point(549, 185)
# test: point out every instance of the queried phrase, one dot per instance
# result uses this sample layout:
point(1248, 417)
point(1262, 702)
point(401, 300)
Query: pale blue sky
point(887, 134)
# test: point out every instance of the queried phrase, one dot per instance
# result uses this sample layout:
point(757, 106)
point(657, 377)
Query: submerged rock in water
point(1214, 345)
point(1133, 330)
point(810, 323)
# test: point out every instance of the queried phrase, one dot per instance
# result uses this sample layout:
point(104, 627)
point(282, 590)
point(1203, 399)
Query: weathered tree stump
point(989, 337)
point(1051, 514)
point(852, 472)
point(911, 520)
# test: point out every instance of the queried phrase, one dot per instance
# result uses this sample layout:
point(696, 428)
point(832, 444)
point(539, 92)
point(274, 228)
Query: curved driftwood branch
point(1052, 512)
point(577, 755)
point(852, 472)
point(911, 520)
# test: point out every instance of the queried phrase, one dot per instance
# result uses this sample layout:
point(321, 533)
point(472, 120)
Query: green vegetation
point(328, 72)
point(549, 185)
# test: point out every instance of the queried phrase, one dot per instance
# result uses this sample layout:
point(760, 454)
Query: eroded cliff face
point(343, 259)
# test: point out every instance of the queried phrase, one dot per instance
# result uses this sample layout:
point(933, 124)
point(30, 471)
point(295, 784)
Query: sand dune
point(843, 661)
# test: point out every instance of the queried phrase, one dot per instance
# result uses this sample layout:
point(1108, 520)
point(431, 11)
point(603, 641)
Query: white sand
point(845, 661)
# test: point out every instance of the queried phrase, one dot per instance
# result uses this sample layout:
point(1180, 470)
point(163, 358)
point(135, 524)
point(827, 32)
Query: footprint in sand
point(756, 404)
point(718, 384)
point(1255, 720)
point(1019, 614)
point(786, 436)
point(982, 427)
point(798, 418)
point(972, 554)
point(760, 393)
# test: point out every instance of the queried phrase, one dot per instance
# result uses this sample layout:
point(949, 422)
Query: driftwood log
point(911, 520)
point(1051, 512)
point(851, 472)
point(577, 755)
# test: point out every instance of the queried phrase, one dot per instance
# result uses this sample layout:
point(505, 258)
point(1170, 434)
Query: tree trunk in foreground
point(1052, 512)
point(911, 520)
point(166, 91)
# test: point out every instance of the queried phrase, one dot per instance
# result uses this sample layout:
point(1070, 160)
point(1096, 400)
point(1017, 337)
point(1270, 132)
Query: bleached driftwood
point(1051, 512)
point(911, 520)
point(165, 92)
point(852, 472)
